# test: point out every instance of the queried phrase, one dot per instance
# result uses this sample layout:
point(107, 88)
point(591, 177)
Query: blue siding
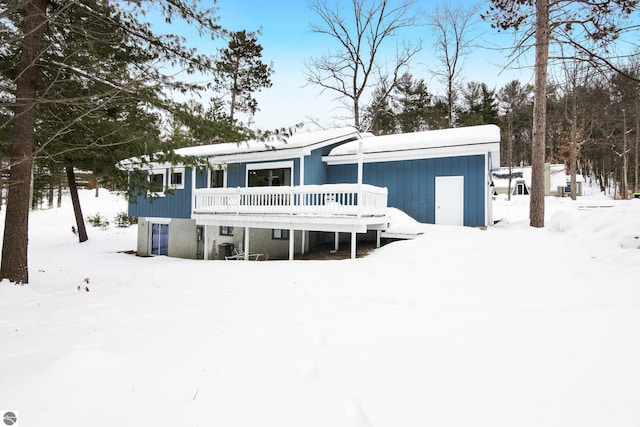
point(202, 176)
point(315, 170)
point(411, 184)
point(236, 175)
point(176, 205)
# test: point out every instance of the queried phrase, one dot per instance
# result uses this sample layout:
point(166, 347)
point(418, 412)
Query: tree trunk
point(573, 153)
point(624, 182)
point(1, 182)
point(536, 206)
point(73, 189)
point(59, 196)
point(16, 229)
point(356, 113)
point(636, 169)
point(52, 181)
point(509, 152)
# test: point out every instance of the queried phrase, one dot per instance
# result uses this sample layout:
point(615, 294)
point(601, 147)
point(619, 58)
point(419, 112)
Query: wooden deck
point(331, 207)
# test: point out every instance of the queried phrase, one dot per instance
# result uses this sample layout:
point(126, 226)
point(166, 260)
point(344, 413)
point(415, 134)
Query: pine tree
point(91, 73)
point(240, 72)
point(413, 103)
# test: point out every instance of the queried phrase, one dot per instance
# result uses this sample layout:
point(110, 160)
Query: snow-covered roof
point(259, 150)
point(557, 176)
point(428, 144)
point(304, 141)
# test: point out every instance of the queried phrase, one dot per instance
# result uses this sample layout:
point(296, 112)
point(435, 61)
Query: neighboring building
point(278, 198)
point(557, 181)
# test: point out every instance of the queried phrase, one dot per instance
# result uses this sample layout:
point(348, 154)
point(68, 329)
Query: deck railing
point(328, 199)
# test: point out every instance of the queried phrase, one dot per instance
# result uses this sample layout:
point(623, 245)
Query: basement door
point(450, 200)
point(159, 239)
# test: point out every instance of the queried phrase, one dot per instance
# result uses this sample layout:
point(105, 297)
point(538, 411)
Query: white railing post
point(237, 200)
point(291, 201)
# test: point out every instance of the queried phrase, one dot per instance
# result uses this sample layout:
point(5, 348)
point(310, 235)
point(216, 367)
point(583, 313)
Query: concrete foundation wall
point(214, 239)
point(261, 241)
point(142, 248)
point(182, 238)
point(183, 242)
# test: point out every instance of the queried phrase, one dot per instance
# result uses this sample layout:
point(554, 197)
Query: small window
point(156, 183)
point(217, 178)
point(279, 234)
point(176, 179)
point(226, 231)
point(157, 178)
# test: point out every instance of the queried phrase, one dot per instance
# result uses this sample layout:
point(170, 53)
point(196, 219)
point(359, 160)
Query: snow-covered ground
point(512, 326)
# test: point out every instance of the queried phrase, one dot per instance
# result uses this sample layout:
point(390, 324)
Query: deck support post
point(336, 243)
point(353, 245)
point(204, 243)
point(246, 243)
point(304, 235)
point(291, 243)
point(378, 234)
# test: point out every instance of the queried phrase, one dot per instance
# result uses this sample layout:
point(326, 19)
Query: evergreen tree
point(480, 106)
point(412, 103)
point(84, 80)
point(240, 72)
point(380, 113)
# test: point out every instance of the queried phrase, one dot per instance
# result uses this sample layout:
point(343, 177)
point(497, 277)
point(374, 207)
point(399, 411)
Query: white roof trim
point(474, 140)
point(296, 146)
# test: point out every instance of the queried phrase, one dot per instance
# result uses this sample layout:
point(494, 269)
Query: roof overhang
point(272, 149)
point(475, 140)
point(414, 154)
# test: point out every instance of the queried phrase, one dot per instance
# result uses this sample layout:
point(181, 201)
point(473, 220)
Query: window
point(156, 183)
point(177, 179)
point(216, 178)
point(270, 177)
point(279, 234)
point(521, 189)
point(226, 231)
point(159, 239)
point(274, 174)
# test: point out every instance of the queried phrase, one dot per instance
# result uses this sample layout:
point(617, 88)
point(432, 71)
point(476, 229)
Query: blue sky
point(288, 43)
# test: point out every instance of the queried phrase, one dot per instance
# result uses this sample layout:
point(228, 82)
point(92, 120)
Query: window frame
point(176, 171)
point(153, 173)
point(162, 225)
point(210, 176)
point(287, 164)
point(284, 234)
point(228, 230)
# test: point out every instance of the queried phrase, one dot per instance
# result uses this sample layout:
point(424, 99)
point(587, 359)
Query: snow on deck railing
point(328, 199)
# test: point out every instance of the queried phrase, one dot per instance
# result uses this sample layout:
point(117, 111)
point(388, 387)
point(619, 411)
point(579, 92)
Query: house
point(277, 198)
point(557, 181)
